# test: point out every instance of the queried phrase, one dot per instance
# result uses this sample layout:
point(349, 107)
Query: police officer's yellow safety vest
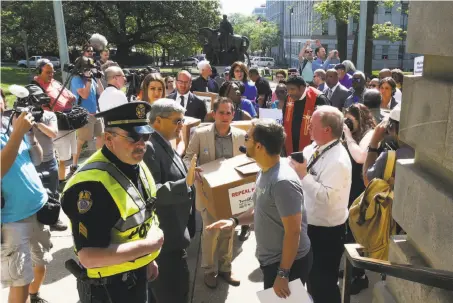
point(136, 220)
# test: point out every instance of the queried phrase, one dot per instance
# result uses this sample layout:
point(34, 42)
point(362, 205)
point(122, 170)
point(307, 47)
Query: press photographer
point(61, 102)
point(86, 85)
point(24, 237)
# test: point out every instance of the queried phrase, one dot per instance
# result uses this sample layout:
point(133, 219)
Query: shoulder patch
point(83, 230)
point(85, 202)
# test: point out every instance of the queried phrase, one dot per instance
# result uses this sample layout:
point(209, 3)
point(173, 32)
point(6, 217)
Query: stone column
point(423, 203)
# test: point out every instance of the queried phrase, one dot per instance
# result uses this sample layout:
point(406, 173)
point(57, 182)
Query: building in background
point(304, 26)
point(259, 11)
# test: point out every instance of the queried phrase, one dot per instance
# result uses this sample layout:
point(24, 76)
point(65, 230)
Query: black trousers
point(172, 284)
point(299, 270)
point(133, 290)
point(327, 244)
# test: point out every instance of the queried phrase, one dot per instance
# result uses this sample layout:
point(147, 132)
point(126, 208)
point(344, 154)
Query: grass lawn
point(19, 76)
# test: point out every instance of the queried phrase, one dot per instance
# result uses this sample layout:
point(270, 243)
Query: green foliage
point(340, 10)
point(388, 31)
point(171, 25)
point(262, 34)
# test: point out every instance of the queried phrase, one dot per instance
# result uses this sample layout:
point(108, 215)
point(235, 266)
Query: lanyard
point(314, 158)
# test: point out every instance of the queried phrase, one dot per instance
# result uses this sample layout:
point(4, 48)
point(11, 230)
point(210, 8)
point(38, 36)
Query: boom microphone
point(98, 41)
point(242, 149)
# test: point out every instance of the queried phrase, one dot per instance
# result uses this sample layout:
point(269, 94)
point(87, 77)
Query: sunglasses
point(373, 85)
point(177, 121)
point(134, 138)
point(358, 80)
point(308, 52)
point(247, 138)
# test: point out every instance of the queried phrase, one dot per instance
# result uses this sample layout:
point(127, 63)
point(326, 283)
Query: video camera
point(31, 99)
point(82, 65)
point(135, 77)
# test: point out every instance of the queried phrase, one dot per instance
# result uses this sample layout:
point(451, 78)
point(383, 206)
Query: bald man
point(195, 107)
point(113, 95)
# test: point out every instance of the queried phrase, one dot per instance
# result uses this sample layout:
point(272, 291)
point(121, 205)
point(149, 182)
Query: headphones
point(41, 64)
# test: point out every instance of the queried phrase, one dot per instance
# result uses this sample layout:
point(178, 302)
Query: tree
point(168, 24)
point(341, 11)
point(263, 35)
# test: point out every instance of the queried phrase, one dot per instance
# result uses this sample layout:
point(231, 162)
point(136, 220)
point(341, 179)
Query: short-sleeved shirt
point(250, 91)
point(111, 97)
point(378, 168)
point(87, 228)
point(263, 88)
point(45, 141)
point(278, 193)
point(90, 104)
point(247, 105)
point(22, 188)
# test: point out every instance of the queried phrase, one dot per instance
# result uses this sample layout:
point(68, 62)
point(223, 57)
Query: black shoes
point(59, 226)
point(358, 284)
point(35, 298)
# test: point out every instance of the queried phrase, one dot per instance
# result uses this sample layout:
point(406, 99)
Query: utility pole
point(362, 36)
point(61, 35)
point(290, 37)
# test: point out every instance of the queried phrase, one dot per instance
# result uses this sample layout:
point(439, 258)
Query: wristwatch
point(283, 273)
point(235, 221)
point(373, 150)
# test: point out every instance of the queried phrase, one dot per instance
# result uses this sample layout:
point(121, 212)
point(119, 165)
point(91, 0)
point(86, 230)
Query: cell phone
point(298, 156)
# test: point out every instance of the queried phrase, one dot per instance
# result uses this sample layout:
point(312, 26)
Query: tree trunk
point(371, 7)
point(163, 57)
point(122, 52)
point(342, 39)
point(355, 47)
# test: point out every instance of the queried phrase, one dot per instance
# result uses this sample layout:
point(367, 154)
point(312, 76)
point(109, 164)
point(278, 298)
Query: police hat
point(131, 117)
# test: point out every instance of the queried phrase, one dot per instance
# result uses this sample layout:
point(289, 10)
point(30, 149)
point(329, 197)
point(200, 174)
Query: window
point(325, 28)
point(385, 51)
point(388, 10)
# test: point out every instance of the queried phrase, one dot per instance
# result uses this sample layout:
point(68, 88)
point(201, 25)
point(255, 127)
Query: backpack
point(370, 215)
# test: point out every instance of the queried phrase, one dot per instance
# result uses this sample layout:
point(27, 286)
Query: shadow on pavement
point(256, 275)
point(56, 269)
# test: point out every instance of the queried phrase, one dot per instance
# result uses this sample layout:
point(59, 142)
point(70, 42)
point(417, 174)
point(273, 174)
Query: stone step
point(402, 251)
point(381, 293)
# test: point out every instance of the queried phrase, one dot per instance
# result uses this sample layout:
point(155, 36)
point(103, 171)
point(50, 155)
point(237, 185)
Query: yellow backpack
point(370, 216)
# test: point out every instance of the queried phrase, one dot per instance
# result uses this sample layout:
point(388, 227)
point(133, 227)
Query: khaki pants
point(217, 246)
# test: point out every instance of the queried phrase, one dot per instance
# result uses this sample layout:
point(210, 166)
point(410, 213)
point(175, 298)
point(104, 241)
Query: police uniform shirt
point(92, 210)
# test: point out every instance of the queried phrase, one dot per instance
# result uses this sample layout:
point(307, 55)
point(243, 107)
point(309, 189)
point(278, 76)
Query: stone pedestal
point(423, 203)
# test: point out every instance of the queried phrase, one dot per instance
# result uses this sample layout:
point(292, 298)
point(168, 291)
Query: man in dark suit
point(194, 106)
point(174, 204)
point(335, 92)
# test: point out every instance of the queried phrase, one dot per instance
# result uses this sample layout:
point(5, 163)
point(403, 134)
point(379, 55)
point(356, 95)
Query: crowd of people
point(132, 204)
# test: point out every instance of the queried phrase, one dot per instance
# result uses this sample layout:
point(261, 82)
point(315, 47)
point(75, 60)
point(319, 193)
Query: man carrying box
point(210, 143)
point(279, 216)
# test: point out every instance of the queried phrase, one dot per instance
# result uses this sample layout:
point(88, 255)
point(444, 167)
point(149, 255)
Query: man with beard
point(110, 201)
point(283, 246)
point(175, 204)
point(297, 113)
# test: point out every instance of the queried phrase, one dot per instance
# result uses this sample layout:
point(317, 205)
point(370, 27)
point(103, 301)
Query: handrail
point(424, 275)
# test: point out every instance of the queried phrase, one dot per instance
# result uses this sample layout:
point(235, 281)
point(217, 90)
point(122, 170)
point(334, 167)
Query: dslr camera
point(82, 65)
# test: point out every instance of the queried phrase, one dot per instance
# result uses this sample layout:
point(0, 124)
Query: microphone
point(242, 149)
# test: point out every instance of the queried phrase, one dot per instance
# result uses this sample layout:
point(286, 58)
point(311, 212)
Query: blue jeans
point(52, 168)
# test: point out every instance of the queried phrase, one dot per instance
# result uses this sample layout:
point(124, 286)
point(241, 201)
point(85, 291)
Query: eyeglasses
point(183, 82)
point(247, 138)
point(238, 71)
point(373, 85)
point(358, 80)
point(134, 138)
point(177, 121)
point(308, 52)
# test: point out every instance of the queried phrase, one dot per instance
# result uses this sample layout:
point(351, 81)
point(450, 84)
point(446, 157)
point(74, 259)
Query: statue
point(225, 30)
point(221, 46)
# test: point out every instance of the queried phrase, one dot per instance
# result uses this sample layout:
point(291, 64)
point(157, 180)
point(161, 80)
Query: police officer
point(110, 202)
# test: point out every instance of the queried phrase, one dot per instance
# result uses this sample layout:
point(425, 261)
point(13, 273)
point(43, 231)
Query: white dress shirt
point(398, 95)
point(332, 90)
point(186, 98)
point(111, 97)
point(326, 187)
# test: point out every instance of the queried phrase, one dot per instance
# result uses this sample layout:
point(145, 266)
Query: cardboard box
point(227, 186)
point(244, 125)
point(189, 123)
point(208, 98)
